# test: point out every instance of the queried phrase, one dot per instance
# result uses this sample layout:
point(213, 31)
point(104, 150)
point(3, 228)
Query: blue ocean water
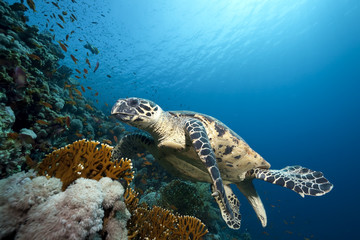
point(284, 75)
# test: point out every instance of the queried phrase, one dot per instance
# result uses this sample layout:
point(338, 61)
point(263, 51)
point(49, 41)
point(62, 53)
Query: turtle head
point(137, 112)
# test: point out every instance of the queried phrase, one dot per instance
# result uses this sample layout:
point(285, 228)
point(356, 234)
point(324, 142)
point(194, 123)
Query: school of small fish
point(60, 19)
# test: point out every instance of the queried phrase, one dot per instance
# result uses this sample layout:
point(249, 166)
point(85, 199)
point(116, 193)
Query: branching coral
point(159, 223)
point(87, 159)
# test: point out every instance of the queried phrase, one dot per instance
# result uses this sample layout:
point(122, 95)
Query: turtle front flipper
point(234, 222)
point(131, 144)
point(301, 180)
point(200, 141)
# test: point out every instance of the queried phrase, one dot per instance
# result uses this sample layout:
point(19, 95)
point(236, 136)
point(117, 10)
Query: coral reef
point(36, 208)
point(88, 159)
point(76, 196)
point(159, 223)
point(38, 94)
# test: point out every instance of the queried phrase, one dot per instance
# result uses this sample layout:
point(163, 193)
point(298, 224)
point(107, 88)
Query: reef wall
point(41, 106)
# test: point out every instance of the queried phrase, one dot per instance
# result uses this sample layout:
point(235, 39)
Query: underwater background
point(284, 75)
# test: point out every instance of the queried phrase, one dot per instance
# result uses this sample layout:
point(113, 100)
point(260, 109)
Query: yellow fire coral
point(87, 159)
point(159, 223)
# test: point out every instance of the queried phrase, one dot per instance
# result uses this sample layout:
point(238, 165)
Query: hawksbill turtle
point(198, 147)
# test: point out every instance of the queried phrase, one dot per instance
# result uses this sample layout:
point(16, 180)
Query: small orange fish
point(87, 53)
point(108, 76)
point(89, 107)
point(84, 76)
point(116, 139)
point(73, 16)
point(64, 13)
point(78, 70)
point(107, 141)
point(106, 104)
point(85, 71)
point(79, 135)
point(42, 122)
point(61, 18)
point(61, 26)
point(31, 4)
point(74, 59)
point(82, 88)
point(67, 37)
point(51, 30)
point(72, 32)
point(96, 67)
point(68, 121)
point(88, 62)
point(71, 102)
point(97, 101)
point(89, 88)
point(173, 207)
point(59, 120)
point(34, 57)
point(37, 45)
point(147, 163)
point(55, 4)
point(78, 92)
point(67, 86)
point(48, 105)
point(139, 154)
point(96, 94)
point(78, 77)
point(62, 46)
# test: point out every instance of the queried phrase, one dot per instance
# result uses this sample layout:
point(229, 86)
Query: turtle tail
point(301, 180)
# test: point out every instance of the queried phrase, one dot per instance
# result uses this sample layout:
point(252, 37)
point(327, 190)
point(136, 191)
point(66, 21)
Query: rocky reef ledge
point(41, 105)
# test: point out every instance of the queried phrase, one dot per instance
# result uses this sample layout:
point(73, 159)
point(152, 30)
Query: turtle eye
point(133, 102)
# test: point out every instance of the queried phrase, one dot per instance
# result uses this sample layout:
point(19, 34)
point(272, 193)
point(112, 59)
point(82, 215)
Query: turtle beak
point(117, 108)
point(122, 111)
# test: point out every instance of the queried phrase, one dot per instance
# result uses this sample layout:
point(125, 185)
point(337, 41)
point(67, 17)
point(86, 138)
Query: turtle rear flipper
point(301, 180)
point(133, 143)
point(247, 188)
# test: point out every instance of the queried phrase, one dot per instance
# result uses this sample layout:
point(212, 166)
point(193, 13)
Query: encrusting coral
point(87, 159)
point(35, 208)
point(159, 223)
